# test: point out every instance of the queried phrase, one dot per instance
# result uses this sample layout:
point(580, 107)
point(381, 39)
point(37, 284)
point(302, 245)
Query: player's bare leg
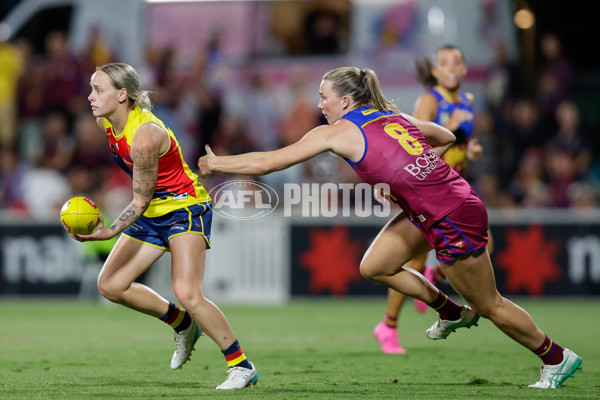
point(188, 255)
point(386, 331)
point(116, 282)
point(397, 243)
point(473, 278)
point(127, 261)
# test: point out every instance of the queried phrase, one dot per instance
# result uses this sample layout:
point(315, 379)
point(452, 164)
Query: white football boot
point(553, 376)
point(184, 344)
point(239, 378)
point(442, 327)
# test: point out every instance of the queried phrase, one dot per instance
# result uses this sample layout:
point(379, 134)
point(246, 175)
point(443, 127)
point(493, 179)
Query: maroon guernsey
point(397, 154)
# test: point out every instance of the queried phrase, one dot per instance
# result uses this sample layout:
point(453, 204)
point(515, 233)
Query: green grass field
point(307, 349)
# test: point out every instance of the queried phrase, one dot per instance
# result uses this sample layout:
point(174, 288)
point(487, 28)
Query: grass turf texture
point(307, 349)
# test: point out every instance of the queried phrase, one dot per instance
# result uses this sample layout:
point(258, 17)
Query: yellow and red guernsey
point(177, 186)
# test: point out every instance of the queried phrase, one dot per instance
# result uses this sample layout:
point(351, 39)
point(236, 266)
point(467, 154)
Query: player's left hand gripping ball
point(79, 215)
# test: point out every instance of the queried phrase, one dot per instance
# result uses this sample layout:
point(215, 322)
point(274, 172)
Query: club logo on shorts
point(136, 227)
point(178, 228)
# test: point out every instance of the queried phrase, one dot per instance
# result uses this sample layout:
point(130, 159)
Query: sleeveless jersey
point(456, 156)
point(397, 154)
point(177, 186)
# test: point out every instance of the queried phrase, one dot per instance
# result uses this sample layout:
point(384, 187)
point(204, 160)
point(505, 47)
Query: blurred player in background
point(439, 210)
point(170, 211)
point(445, 104)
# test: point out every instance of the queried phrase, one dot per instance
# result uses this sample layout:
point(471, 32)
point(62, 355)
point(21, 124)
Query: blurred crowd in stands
point(538, 151)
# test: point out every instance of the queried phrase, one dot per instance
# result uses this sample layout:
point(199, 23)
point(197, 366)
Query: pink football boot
point(388, 339)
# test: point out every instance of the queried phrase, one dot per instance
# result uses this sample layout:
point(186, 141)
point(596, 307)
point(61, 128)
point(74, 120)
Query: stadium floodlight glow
point(524, 18)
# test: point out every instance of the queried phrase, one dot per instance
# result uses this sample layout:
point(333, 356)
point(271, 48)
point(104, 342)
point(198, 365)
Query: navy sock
point(178, 318)
point(235, 356)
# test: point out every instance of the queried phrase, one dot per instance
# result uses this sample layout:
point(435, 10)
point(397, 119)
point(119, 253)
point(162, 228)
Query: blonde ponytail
point(361, 85)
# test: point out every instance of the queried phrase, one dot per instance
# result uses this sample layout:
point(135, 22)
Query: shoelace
point(179, 341)
point(546, 375)
point(235, 372)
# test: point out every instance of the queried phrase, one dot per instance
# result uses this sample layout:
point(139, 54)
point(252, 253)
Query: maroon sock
point(549, 352)
point(391, 321)
point(447, 308)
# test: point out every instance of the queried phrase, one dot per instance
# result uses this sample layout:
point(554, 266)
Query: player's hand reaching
point(458, 117)
point(474, 150)
point(204, 161)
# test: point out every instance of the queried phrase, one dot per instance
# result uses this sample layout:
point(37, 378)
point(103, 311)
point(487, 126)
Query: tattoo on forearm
point(128, 216)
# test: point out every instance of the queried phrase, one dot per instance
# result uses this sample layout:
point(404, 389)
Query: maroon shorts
point(462, 231)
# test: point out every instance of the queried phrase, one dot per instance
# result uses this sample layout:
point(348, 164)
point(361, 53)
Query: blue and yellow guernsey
point(177, 186)
point(456, 156)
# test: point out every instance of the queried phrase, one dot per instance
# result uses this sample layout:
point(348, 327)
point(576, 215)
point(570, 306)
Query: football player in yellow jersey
point(445, 104)
point(170, 211)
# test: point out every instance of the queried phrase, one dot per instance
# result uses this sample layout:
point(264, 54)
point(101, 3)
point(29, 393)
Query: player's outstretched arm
point(321, 139)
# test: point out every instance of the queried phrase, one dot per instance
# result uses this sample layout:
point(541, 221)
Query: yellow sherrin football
point(79, 215)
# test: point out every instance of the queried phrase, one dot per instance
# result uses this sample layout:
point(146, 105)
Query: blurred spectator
point(556, 78)
point(504, 82)
point(571, 138)
point(484, 131)
point(91, 155)
point(45, 190)
point(262, 109)
point(81, 181)
point(321, 29)
point(560, 167)
point(12, 173)
point(57, 150)
point(167, 79)
point(91, 148)
point(522, 133)
point(31, 106)
point(214, 49)
point(489, 190)
point(208, 106)
point(97, 52)
point(582, 196)
point(231, 138)
point(303, 114)
point(166, 92)
point(528, 188)
point(62, 76)
point(11, 68)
